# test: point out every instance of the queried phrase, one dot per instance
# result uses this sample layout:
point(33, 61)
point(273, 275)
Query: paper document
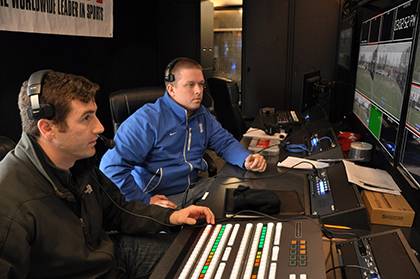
point(371, 179)
point(258, 133)
point(305, 164)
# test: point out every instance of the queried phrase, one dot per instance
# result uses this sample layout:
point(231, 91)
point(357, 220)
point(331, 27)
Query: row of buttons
point(298, 253)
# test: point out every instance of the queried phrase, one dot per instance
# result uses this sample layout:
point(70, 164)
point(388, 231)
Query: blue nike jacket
point(159, 149)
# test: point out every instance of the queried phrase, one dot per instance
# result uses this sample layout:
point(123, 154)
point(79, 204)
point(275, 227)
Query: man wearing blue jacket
point(159, 149)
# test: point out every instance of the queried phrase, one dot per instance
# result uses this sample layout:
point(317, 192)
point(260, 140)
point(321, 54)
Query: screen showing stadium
point(383, 63)
point(410, 152)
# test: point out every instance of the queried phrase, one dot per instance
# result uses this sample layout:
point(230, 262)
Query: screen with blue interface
point(383, 63)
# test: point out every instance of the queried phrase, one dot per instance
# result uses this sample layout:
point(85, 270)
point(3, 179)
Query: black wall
point(283, 40)
point(147, 34)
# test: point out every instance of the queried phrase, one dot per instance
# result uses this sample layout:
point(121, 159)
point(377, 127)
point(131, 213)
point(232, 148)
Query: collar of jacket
point(25, 148)
point(180, 111)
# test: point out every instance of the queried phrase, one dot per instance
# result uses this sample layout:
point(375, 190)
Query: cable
point(267, 147)
point(261, 214)
point(348, 266)
point(296, 148)
point(267, 176)
point(131, 212)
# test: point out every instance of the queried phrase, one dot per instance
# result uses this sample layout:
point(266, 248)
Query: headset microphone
point(109, 143)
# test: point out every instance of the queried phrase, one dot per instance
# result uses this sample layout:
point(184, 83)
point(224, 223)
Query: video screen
point(382, 74)
point(413, 111)
point(361, 108)
point(344, 48)
point(382, 69)
point(410, 158)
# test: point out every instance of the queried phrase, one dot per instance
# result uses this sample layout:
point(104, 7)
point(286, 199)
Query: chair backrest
point(6, 144)
point(225, 94)
point(125, 102)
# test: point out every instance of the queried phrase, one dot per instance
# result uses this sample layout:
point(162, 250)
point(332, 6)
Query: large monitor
point(409, 159)
point(383, 65)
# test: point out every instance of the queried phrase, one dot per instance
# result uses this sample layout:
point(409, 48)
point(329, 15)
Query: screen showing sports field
point(382, 69)
point(410, 152)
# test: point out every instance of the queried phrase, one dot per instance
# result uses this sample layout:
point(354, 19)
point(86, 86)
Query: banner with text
point(82, 17)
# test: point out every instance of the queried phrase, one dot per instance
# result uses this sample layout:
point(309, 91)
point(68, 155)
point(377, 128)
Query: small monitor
point(344, 48)
point(310, 95)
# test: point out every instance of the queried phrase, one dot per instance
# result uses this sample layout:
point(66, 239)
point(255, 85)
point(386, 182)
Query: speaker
point(169, 76)
point(34, 90)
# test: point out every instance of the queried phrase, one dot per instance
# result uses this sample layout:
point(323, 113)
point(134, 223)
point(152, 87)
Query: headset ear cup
point(169, 76)
point(45, 111)
point(37, 110)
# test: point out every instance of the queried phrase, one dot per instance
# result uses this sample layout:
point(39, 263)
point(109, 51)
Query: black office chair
point(6, 144)
point(225, 94)
point(126, 101)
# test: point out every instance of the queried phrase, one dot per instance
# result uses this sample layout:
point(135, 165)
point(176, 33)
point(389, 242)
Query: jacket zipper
point(187, 142)
point(189, 139)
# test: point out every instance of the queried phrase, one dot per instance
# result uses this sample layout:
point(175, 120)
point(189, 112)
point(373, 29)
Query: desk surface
point(275, 178)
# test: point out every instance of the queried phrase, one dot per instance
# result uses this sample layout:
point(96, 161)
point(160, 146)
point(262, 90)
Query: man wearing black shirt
point(56, 206)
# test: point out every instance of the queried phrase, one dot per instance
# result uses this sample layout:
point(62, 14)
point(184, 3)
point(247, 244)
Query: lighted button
point(302, 252)
point(292, 276)
point(293, 241)
point(302, 247)
point(302, 276)
point(302, 242)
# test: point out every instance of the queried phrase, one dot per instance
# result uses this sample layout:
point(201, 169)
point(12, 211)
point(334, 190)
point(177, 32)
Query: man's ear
point(170, 89)
point(46, 128)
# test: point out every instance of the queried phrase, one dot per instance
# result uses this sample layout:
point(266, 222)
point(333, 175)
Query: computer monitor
point(409, 160)
point(344, 47)
point(309, 96)
point(383, 64)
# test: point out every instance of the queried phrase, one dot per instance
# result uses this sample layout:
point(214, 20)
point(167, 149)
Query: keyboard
point(291, 250)
point(287, 117)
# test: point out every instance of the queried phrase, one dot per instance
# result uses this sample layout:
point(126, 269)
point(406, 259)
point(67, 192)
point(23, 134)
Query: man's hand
point(255, 162)
point(162, 201)
point(191, 214)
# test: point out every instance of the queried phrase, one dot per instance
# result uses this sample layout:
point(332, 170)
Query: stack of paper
point(371, 179)
point(260, 134)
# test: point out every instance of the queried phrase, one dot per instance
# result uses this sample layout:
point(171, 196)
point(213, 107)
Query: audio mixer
point(246, 249)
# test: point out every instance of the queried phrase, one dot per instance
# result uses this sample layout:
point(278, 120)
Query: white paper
point(260, 134)
point(371, 179)
point(291, 162)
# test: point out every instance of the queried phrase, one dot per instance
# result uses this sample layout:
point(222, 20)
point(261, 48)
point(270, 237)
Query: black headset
point(34, 90)
point(169, 76)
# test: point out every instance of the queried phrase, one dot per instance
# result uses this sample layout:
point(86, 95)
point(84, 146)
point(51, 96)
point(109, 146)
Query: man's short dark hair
point(58, 89)
point(181, 63)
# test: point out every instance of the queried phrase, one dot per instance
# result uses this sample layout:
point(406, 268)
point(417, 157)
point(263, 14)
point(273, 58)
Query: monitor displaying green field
point(382, 83)
point(382, 74)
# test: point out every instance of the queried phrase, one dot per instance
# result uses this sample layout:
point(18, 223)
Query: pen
point(337, 227)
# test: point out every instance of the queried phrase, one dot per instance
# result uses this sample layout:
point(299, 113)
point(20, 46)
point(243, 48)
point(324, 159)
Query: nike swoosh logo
point(173, 133)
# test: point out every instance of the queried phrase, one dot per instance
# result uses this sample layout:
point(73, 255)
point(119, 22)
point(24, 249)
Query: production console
point(246, 249)
point(335, 200)
point(379, 256)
